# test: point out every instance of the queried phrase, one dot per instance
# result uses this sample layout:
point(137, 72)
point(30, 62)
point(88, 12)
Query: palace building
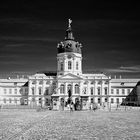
point(69, 82)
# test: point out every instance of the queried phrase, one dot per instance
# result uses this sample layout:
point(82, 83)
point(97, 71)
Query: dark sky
point(109, 32)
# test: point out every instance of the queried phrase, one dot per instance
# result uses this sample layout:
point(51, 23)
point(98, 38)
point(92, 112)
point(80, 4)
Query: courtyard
point(64, 125)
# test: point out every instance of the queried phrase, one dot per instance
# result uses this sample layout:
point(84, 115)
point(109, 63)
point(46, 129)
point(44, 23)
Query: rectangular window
point(123, 99)
point(10, 100)
point(15, 100)
point(46, 91)
point(117, 100)
point(99, 101)
point(5, 91)
point(123, 91)
point(99, 91)
point(10, 91)
point(91, 90)
point(112, 100)
point(4, 100)
point(40, 100)
point(117, 91)
point(128, 91)
point(112, 91)
point(15, 83)
point(105, 91)
point(15, 91)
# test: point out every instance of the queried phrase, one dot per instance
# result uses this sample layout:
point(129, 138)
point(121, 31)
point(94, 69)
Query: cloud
point(126, 69)
point(47, 39)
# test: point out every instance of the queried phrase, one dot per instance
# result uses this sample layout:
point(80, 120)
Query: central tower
point(69, 56)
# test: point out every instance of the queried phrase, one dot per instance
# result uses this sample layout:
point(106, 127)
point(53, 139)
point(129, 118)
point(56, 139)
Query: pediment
point(70, 76)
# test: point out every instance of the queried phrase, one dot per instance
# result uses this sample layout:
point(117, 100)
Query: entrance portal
point(77, 104)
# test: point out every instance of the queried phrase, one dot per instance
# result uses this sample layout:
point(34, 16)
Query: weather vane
point(70, 21)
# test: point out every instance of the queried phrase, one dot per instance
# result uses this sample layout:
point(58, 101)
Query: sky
point(30, 32)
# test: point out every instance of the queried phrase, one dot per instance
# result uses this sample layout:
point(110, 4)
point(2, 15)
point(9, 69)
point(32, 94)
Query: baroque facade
point(69, 82)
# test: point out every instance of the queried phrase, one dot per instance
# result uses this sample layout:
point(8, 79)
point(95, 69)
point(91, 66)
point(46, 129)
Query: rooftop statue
point(70, 21)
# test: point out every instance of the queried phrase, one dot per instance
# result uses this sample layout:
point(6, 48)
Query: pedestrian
point(71, 106)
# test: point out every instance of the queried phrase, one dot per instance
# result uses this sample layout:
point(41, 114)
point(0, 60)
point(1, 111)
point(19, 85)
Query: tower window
point(61, 66)
point(69, 65)
point(76, 65)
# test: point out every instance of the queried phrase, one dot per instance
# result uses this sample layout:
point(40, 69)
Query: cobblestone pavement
point(65, 125)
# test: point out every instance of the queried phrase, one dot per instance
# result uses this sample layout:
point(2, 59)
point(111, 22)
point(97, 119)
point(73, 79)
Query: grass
point(65, 125)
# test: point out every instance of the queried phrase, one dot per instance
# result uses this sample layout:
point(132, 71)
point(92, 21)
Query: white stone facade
point(51, 89)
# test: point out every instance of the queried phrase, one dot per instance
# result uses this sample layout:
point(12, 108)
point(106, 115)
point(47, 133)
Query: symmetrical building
point(53, 89)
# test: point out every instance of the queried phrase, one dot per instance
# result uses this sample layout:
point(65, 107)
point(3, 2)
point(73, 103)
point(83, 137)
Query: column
point(43, 87)
point(30, 88)
point(73, 89)
point(109, 90)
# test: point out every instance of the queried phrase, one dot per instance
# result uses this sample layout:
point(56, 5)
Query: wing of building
point(69, 84)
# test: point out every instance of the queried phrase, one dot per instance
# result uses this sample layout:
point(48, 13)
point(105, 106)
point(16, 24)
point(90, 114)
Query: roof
point(125, 80)
point(22, 80)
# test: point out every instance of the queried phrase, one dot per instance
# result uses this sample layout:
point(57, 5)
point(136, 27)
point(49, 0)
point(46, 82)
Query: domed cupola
point(69, 44)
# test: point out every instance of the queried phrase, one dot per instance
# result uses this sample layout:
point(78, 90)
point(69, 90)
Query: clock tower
point(69, 56)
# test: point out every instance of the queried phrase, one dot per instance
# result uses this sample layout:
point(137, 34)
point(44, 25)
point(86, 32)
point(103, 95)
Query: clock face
point(69, 56)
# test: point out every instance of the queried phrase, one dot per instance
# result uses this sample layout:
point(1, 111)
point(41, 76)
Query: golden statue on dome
point(70, 21)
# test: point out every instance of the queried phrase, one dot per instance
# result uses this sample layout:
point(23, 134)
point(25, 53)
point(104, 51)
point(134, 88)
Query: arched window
point(77, 66)
point(69, 87)
point(69, 65)
point(69, 90)
point(62, 89)
point(76, 89)
point(61, 66)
